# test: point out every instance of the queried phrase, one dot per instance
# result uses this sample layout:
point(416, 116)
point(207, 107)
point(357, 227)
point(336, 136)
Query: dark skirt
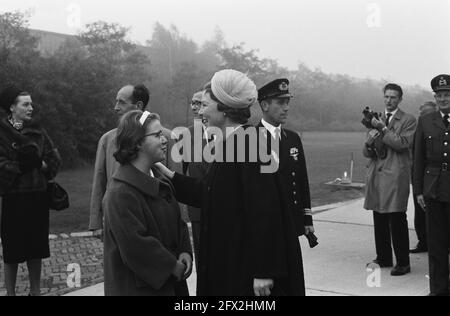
point(25, 227)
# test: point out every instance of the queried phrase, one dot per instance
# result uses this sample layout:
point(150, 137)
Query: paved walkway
point(87, 253)
point(337, 267)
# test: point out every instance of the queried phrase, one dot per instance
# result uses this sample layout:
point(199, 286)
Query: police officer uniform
point(292, 175)
point(432, 180)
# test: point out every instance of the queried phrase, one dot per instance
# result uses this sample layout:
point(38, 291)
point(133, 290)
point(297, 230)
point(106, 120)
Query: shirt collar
point(443, 114)
point(393, 113)
point(272, 129)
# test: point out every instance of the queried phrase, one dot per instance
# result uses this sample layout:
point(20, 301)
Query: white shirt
point(273, 130)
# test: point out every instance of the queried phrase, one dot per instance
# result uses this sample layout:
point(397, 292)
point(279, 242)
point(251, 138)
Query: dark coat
point(195, 169)
point(245, 232)
point(144, 236)
point(432, 158)
point(388, 180)
point(12, 178)
point(292, 178)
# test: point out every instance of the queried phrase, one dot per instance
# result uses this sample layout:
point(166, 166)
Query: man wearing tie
point(197, 168)
point(432, 183)
point(292, 176)
point(388, 183)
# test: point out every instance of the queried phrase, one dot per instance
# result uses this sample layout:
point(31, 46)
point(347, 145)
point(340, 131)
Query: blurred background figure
point(28, 161)
point(196, 168)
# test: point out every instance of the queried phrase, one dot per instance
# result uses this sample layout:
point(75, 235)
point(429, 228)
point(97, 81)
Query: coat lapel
point(438, 121)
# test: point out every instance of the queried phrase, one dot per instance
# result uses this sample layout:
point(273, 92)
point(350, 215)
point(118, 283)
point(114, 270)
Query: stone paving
point(87, 252)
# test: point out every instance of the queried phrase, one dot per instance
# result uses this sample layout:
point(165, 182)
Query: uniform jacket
point(12, 179)
point(144, 235)
point(388, 180)
point(245, 232)
point(432, 158)
point(292, 178)
point(105, 167)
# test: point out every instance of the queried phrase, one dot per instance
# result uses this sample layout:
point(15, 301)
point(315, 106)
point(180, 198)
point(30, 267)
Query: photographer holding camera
point(389, 145)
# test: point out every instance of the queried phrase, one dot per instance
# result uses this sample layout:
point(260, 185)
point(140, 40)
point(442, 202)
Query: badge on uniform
point(294, 153)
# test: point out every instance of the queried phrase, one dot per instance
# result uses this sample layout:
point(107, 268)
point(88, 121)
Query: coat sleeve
point(141, 253)
point(9, 170)
point(304, 186)
point(188, 190)
point(403, 141)
point(263, 224)
point(419, 159)
point(51, 157)
point(98, 187)
point(185, 240)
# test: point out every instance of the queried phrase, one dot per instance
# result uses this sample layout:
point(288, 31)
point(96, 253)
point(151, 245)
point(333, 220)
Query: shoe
point(381, 264)
point(420, 248)
point(399, 270)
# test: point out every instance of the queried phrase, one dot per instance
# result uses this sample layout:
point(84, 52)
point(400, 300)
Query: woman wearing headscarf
point(245, 250)
point(147, 246)
point(28, 161)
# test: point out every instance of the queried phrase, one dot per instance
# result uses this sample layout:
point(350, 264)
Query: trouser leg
point(400, 238)
point(438, 246)
point(382, 237)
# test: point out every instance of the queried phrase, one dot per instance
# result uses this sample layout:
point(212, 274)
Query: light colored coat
point(388, 181)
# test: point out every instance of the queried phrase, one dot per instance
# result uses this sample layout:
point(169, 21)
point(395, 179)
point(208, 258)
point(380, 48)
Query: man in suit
point(128, 98)
point(432, 183)
point(388, 182)
point(196, 168)
point(292, 175)
point(419, 214)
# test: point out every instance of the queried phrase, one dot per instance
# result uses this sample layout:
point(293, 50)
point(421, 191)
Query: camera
point(375, 139)
point(369, 115)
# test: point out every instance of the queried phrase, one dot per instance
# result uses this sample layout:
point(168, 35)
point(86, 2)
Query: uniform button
point(445, 154)
point(295, 193)
point(294, 184)
point(293, 174)
point(445, 144)
point(295, 202)
point(446, 134)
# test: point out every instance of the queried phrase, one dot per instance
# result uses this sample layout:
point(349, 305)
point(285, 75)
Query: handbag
point(58, 198)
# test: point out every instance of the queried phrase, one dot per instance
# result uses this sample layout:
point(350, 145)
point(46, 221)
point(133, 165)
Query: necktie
point(446, 121)
point(278, 133)
point(388, 120)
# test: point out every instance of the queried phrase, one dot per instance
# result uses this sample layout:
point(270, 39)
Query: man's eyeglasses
point(198, 103)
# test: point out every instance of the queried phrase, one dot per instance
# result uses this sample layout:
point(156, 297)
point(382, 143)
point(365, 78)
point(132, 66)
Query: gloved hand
point(28, 158)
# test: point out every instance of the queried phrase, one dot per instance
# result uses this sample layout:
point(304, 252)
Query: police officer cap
point(276, 89)
point(441, 83)
point(8, 97)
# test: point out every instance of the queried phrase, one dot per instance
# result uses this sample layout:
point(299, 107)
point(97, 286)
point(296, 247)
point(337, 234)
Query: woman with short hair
point(28, 161)
point(147, 248)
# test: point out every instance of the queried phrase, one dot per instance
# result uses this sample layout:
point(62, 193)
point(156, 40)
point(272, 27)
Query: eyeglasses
point(159, 134)
point(199, 103)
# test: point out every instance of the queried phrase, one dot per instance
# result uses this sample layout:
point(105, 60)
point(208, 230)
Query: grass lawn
point(328, 156)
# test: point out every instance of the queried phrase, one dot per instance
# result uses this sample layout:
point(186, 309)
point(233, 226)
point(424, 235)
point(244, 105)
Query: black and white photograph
point(224, 154)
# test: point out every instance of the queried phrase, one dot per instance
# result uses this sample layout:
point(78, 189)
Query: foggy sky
point(407, 42)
